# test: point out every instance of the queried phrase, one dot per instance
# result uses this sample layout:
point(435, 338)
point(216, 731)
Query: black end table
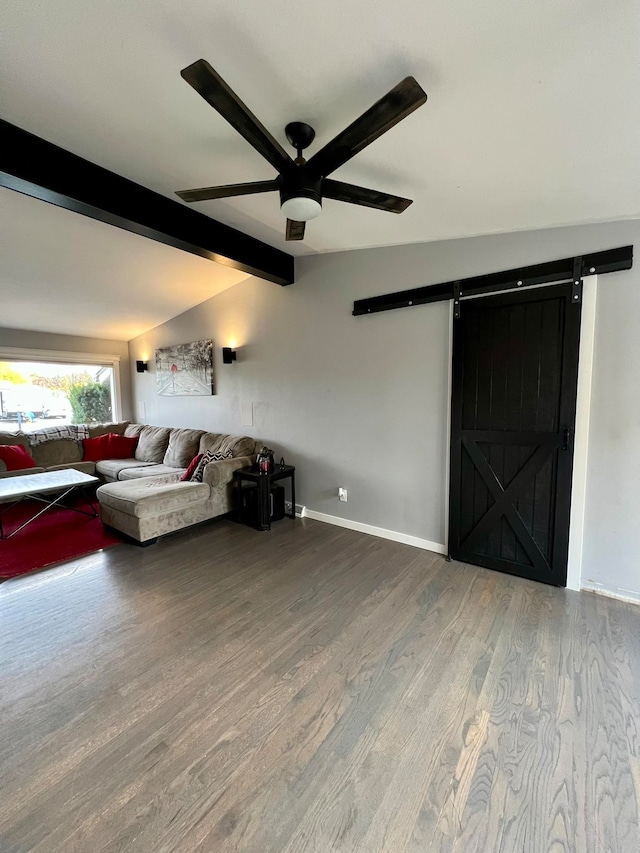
point(263, 483)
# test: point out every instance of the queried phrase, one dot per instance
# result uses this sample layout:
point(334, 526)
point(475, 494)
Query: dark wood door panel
point(511, 355)
point(513, 406)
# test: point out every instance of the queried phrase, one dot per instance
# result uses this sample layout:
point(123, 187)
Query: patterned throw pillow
point(209, 456)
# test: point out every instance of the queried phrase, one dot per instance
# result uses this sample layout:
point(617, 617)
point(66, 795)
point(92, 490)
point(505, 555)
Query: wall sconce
point(228, 355)
point(142, 366)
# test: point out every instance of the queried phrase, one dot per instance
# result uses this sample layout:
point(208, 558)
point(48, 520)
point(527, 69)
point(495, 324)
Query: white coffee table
point(58, 484)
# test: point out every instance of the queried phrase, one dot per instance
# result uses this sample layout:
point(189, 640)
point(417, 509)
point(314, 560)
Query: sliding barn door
point(515, 372)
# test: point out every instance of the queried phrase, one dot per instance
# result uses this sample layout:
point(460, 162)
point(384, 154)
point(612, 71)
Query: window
point(43, 391)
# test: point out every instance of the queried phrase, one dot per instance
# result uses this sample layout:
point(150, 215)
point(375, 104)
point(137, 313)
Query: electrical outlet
point(342, 494)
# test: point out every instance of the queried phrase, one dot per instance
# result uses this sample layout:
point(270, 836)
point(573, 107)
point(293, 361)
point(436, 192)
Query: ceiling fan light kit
point(301, 208)
point(303, 184)
point(300, 193)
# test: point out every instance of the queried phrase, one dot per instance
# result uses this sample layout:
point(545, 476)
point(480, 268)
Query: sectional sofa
point(144, 496)
point(56, 454)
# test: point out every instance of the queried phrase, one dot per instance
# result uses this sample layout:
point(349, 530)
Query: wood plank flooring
point(311, 690)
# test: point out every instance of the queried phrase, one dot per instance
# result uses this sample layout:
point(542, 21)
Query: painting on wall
point(185, 370)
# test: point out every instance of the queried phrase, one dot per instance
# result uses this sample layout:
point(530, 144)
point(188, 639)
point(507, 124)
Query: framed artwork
point(185, 370)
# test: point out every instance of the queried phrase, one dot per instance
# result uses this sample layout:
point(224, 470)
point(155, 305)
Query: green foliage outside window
point(90, 402)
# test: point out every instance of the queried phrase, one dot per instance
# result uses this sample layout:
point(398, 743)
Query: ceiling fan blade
point(397, 104)
point(227, 191)
point(216, 92)
point(361, 195)
point(295, 230)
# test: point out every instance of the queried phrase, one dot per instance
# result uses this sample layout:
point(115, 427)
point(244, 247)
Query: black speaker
point(251, 510)
point(276, 502)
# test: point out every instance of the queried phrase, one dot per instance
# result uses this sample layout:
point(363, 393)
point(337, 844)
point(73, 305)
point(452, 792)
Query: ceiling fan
point(303, 184)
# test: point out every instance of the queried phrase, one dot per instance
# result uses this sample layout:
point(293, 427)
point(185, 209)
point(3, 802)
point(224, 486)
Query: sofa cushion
point(134, 429)
point(111, 467)
point(152, 444)
point(150, 471)
point(150, 496)
point(57, 452)
point(209, 441)
point(239, 445)
point(14, 438)
point(16, 457)
point(182, 447)
point(102, 429)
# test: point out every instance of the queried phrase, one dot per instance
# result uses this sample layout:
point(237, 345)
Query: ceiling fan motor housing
point(296, 186)
point(298, 183)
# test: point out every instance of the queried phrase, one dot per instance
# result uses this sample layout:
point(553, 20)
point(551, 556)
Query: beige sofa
point(144, 496)
point(56, 454)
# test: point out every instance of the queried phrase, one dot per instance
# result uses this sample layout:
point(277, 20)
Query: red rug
point(58, 535)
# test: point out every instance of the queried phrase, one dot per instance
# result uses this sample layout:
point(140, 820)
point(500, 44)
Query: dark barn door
point(515, 372)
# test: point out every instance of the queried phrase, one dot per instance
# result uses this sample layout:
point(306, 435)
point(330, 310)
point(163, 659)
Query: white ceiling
point(533, 121)
point(61, 272)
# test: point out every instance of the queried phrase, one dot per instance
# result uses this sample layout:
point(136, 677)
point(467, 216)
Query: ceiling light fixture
point(301, 208)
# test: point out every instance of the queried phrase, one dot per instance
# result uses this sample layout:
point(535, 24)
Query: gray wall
point(75, 343)
point(362, 402)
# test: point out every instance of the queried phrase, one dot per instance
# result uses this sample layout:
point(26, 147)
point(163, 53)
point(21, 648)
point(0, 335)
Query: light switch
point(247, 414)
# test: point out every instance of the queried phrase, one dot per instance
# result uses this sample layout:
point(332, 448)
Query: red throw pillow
point(16, 457)
point(122, 446)
point(192, 467)
point(95, 449)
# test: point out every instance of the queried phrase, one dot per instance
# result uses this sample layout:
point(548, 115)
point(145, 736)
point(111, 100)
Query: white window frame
point(62, 357)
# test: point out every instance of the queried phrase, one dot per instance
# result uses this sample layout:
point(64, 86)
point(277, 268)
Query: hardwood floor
point(313, 689)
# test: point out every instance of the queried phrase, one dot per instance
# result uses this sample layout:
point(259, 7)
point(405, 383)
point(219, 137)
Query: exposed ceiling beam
point(40, 169)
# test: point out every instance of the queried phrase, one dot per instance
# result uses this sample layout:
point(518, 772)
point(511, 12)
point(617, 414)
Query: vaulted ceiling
point(533, 121)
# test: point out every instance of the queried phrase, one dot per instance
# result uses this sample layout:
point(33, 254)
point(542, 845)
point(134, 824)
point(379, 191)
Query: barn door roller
point(457, 293)
point(576, 287)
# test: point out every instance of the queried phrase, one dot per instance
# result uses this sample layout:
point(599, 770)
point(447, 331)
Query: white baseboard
point(439, 548)
point(620, 594)
point(404, 538)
